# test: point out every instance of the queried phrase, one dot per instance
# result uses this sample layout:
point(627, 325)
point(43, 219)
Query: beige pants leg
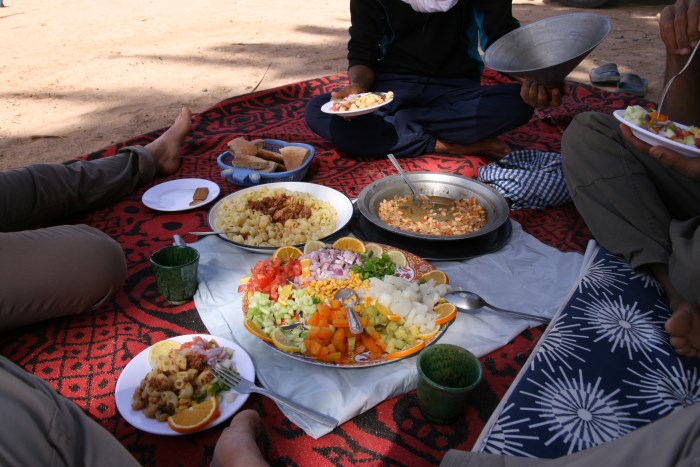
point(57, 271)
point(41, 428)
point(673, 440)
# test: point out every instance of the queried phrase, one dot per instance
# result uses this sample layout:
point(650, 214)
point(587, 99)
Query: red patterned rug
point(83, 356)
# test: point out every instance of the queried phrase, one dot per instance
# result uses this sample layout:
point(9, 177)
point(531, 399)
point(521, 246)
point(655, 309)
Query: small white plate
point(353, 113)
point(658, 140)
point(339, 201)
point(176, 195)
point(138, 367)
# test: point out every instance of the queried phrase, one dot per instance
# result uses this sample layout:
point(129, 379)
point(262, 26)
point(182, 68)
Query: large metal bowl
point(549, 49)
point(433, 184)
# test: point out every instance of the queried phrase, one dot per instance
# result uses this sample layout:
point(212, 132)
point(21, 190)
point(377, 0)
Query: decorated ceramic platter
point(357, 104)
point(177, 195)
point(262, 218)
point(137, 369)
point(300, 303)
point(655, 139)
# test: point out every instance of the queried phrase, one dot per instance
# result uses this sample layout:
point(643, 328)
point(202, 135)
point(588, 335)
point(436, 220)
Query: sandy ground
point(78, 75)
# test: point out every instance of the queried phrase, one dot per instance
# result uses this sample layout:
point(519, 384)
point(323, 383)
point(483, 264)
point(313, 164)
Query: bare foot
point(166, 148)
point(683, 328)
point(492, 148)
point(236, 445)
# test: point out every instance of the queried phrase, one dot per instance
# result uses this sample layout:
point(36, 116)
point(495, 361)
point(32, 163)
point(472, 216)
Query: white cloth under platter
point(525, 274)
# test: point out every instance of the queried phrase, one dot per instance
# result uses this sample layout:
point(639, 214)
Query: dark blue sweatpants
point(453, 110)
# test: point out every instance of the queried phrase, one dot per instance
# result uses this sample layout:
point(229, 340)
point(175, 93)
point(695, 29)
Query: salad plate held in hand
point(355, 105)
point(652, 135)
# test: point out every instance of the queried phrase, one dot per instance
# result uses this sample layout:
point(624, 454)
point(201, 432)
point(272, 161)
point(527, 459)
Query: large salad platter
point(291, 303)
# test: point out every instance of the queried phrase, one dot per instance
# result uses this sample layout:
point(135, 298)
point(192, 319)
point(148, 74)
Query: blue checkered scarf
point(528, 179)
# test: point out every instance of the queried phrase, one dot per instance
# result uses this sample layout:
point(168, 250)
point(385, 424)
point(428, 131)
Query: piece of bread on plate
point(294, 156)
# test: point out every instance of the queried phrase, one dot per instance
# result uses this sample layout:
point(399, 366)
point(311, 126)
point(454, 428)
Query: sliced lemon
point(438, 276)
point(349, 243)
point(428, 335)
point(446, 312)
point(196, 417)
point(397, 258)
point(375, 249)
point(283, 342)
point(313, 245)
point(161, 349)
point(285, 253)
point(245, 280)
point(284, 293)
point(405, 352)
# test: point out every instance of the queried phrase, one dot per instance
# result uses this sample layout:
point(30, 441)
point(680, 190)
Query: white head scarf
point(431, 6)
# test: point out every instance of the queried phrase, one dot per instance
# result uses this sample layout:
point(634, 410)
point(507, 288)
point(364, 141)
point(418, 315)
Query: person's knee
point(313, 116)
point(56, 271)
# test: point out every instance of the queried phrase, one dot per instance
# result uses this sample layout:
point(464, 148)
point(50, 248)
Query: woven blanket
point(82, 356)
point(604, 368)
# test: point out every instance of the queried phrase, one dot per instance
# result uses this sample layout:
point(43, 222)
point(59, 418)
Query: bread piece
point(294, 156)
point(242, 147)
point(270, 155)
point(254, 163)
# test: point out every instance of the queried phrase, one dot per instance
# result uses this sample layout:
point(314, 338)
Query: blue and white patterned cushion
point(603, 368)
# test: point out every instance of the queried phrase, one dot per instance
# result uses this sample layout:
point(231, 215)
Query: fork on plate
point(242, 386)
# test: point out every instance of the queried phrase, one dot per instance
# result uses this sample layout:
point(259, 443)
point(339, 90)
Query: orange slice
point(350, 243)
point(446, 312)
point(405, 352)
point(255, 330)
point(285, 253)
point(438, 276)
point(196, 417)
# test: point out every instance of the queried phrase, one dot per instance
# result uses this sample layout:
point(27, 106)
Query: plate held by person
point(658, 140)
point(385, 99)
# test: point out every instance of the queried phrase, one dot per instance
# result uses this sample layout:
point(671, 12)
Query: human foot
point(492, 148)
point(683, 328)
point(166, 148)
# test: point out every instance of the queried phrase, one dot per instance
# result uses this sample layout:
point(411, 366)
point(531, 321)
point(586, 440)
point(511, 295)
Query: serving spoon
point(419, 199)
point(349, 296)
point(465, 301)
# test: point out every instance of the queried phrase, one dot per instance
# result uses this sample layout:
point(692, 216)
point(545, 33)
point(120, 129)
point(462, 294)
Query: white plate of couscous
point(355, 105)
point(263, 218)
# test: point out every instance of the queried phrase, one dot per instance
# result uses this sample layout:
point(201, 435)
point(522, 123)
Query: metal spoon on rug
point(465, 301)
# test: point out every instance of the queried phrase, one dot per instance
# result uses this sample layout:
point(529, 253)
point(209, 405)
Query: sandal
point(632, 84)
point(605, 74)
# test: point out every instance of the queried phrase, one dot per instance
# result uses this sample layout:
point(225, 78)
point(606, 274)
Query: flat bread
point(294, 156)
point(242, 147)
point(254, 163)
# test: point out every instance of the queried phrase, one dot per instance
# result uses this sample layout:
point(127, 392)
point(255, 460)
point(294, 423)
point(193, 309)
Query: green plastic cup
point(446, 375)
point(175, 268)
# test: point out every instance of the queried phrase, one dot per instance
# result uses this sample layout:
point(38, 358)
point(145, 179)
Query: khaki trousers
point(635, 207)
point(66, 269)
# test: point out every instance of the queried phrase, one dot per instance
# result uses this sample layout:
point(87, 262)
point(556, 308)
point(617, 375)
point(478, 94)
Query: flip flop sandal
point(632, 84)
point(605, 74)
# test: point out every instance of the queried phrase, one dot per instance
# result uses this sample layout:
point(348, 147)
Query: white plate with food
point(267, 225)
point(135, 371)
point(178, 195)
point(355, 105)
point(656, 139)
